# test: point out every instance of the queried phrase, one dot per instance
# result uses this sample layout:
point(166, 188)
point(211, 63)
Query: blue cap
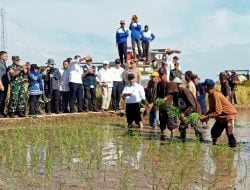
point(209, 83)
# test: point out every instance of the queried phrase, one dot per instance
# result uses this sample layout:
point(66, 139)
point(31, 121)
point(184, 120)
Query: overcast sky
point(213, 35)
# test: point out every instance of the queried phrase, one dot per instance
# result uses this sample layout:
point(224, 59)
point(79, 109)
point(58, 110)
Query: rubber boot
point(231, 141)
point(214, 141)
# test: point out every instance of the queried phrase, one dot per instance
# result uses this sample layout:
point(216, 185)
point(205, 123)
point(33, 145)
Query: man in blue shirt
point(121, 41)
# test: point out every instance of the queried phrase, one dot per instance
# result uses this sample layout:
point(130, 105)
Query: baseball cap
point(15, 58)
point(155, 74)
point(122, 22)
point(189, 73)
point(209, 83)
point(117, 61)
point(175, 57)
point(105, 62)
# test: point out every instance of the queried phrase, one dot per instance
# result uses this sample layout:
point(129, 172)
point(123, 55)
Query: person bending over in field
point(222, 110)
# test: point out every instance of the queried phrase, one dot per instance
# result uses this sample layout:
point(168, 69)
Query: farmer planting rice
point(222, 111)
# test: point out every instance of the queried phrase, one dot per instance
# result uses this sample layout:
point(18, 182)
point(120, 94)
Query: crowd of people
point(188, 94)
point(74, 86)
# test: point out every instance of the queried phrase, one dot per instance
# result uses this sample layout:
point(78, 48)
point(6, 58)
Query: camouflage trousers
point(17, 98)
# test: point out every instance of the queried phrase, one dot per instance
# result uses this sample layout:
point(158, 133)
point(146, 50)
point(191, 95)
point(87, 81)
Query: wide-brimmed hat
point(51, 62)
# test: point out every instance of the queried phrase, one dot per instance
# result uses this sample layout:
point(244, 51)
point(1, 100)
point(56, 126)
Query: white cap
point(177, 80)
point(105, 62)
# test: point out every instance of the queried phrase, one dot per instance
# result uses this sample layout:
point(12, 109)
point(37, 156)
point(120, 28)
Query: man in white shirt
point(75, 85)
point(106, 82)
point(133, 93)
point(64, 87)
point(117, 73)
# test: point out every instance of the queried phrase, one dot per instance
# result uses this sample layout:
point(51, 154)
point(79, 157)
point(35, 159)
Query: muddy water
point(73, 155)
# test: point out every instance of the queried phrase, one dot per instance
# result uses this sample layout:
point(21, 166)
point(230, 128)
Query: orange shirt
point(220, 107)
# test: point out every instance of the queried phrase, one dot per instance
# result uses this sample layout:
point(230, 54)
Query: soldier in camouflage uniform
point(17, 88)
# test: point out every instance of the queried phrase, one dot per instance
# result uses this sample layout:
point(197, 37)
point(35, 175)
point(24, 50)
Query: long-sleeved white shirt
point(75, 72)
point(137, 92)
point(105, 77)
point(117, 74)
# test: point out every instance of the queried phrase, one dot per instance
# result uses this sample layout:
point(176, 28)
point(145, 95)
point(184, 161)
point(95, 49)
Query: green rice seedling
point(193, 119)
point(49, 164)
point(174, 112)
point(124, 181)
point(161, 103)
point(197, 149)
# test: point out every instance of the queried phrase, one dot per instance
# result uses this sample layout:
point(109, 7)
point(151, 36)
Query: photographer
point(51, 87)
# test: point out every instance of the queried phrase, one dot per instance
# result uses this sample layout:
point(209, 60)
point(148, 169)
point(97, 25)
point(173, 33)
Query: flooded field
point(79, 153)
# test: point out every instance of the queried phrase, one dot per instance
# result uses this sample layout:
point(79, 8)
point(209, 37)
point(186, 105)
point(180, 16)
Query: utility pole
point(3, 30)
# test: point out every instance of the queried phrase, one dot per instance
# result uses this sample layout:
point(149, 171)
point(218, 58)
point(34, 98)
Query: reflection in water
point(111, 158)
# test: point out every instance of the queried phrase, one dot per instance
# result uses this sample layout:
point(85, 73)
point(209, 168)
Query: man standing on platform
point(121, 41)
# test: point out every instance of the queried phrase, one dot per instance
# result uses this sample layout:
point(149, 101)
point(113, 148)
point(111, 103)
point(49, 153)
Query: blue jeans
point(154, 117)
point(136, 42)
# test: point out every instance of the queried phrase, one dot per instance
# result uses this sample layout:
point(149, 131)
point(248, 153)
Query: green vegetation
point(175, 112)
point(86, 153)
point(243, 94)
point(161, 103)
point(193, 119)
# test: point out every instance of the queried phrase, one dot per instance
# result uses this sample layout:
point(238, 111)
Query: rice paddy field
point(97, 151)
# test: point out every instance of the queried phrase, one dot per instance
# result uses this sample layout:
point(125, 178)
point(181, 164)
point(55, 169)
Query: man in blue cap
point(221, 109)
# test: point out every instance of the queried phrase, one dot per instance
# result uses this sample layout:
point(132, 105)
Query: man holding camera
point(51, 87)
point(17, 88)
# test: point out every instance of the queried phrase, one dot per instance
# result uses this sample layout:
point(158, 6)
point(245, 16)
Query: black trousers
point(122, 50)
point(163, 117)
point(53, 105)
point(89, 94)
point(116, 94)
point(3, 95)
point(133, 113)
point(76, 92)
point(218, 128)
point(33, 104)
point(145, 48)
point(64, 101)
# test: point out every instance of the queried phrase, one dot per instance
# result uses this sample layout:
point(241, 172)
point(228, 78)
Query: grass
point(69, 154)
